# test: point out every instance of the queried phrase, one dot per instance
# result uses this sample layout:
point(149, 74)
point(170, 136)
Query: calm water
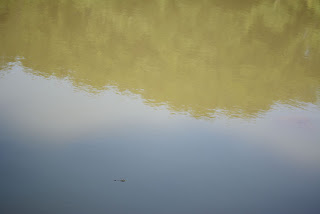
point(202, 106)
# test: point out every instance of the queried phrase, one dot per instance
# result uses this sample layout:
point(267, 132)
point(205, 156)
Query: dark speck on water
point(122, 180)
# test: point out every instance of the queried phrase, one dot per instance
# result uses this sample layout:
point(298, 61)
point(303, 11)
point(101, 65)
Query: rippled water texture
point(200, 106)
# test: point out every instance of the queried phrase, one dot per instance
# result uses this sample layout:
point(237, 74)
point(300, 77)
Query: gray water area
point(172, 163)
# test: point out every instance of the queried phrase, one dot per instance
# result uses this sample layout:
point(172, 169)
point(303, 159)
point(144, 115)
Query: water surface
point(202, 106)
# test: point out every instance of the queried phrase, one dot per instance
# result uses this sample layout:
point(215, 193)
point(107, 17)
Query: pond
point(164, 106)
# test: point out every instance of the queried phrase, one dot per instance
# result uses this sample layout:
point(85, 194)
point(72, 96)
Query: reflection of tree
point(195, 55)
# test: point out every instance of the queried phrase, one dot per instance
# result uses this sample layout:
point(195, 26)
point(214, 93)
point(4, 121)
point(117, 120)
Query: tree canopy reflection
point(196, 56)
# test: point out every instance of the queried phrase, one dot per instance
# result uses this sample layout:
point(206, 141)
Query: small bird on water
point(121, 180)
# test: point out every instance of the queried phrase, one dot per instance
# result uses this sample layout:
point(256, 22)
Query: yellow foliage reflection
point(196, 56)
